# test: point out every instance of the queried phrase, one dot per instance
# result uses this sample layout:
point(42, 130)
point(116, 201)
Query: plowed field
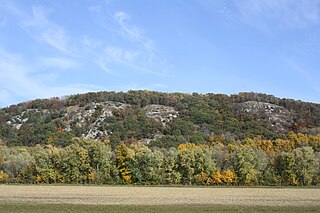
point(163, 196)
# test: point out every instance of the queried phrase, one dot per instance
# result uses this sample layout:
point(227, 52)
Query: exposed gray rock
point(91, 116)
point(162, 113)
point(280, 117)
point(154, 137)
point(18, 120)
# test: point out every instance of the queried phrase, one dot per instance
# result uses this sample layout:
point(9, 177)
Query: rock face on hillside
point(91, 116)
point(279, 117)
point(18, 120)
point(161, 113)
point(161, 119)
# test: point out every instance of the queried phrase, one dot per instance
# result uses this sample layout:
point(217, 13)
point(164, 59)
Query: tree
point(44, 164)
point(74, 164)
point(15, 160)
point(146, 165)
point(306, 164)
point(123, 156)
point(286, 168)
point(99, 158)
point(3, 177)
point(186, 165)
point(245, 165)
point(170, 165)
point(225, 177)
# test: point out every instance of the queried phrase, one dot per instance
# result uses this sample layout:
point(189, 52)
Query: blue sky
point(53, 48)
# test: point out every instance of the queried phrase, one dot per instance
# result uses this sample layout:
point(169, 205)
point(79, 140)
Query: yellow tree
point(123, 155)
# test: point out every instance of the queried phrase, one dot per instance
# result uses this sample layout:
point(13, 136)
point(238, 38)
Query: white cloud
point(42, 29)
point(121, 55)
point(14, 76)
point(142, 56)
point(129, 31)
point(288, 14)
point(132, 32)
point(20, 79)
point(58, 62)
point(35, 76)
point(57, 38)
point(128, 58)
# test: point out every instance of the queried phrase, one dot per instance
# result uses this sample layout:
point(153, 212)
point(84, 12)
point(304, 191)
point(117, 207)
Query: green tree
point(306, 164)
point(245, 165)
point(170, 165)
point(286, 168)
point(15, 161)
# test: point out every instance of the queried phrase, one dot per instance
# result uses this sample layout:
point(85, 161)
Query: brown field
point(153, 196)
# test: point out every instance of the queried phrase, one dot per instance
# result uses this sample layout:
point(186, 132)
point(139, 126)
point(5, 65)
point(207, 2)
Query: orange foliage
point(225, 177)
point(281, 145)
point(91, 176)
point(186, 146)
point(3, 176)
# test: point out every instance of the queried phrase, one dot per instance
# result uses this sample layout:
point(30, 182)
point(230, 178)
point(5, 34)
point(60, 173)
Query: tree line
point(218, 162)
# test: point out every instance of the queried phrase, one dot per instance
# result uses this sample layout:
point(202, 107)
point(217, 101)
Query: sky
point(53, 48)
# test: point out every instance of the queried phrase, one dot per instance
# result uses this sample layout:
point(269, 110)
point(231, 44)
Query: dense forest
point(146, 137)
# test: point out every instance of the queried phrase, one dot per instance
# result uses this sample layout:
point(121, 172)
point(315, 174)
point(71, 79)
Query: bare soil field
point(154, 196)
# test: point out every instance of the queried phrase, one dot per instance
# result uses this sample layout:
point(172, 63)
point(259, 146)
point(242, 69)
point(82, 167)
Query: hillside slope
point(144, 138)
point(157, 119)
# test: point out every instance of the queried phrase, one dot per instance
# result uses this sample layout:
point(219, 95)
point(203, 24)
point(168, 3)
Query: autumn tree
point(307, 164)
point(123, 157)
point(245, 165)
point(170, 166)
point(286, 168)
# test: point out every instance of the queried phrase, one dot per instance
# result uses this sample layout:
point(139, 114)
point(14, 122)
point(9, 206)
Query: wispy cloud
point(132, 32)
point(21, 80)
point(142, 57)
point(13, 72)
point(56, 51)
point(288, 14)
point(121, 55)
point(38, 26)
point(62, 63)
point(89, 43)
point(111, 56)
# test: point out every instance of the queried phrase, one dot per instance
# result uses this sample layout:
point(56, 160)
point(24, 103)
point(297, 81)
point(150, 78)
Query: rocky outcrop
point(91, 116)
point(164, 114)
point(18, 120)
point(279, 117)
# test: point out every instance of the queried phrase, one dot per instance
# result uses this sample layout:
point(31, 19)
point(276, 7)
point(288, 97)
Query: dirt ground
point(159, 195)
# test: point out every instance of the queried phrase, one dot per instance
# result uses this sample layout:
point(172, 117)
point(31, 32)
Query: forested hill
point(144, 137)
point(157, 119)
